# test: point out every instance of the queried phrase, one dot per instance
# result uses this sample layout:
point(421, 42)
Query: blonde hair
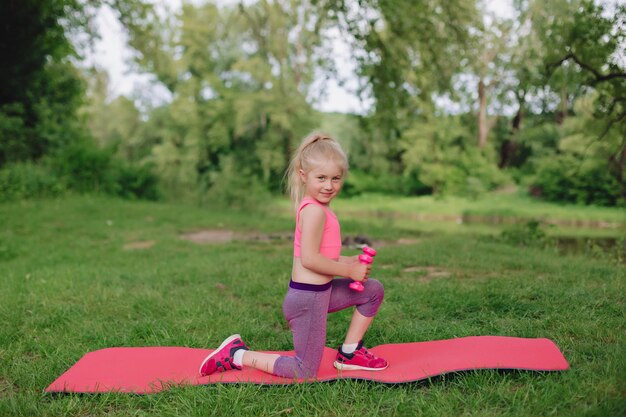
point(314, 149)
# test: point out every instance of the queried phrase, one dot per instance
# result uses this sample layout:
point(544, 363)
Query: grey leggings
point(306, 311)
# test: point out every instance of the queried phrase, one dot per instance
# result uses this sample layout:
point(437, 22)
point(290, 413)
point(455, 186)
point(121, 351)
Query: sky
point(112, 54)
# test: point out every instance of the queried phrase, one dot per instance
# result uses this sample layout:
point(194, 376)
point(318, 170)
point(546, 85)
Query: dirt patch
point(219, 236)
point(359, 241)
point(430, 272)
point(209, 236)
point(146, 244)
point(7, 388)
point(269, 237)
point(407, 241)
point(225, 291)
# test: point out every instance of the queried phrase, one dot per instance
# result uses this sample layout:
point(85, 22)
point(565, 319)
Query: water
point(605, 246)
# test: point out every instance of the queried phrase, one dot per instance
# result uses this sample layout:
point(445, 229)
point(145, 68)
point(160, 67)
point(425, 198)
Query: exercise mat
point(144, 370)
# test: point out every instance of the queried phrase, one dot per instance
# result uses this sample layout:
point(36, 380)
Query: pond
point(590, 237)
point(599, 246)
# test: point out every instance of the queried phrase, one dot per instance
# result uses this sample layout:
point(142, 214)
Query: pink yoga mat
point(144, 370)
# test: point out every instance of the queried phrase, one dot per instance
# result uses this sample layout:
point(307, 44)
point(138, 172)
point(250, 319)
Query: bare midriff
point(304, 275)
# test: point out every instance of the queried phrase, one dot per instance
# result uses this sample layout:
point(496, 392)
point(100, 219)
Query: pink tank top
point(330, 246)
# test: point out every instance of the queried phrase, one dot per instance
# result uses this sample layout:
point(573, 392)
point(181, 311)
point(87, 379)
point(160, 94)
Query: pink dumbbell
point(369, 251)
point(366, 258)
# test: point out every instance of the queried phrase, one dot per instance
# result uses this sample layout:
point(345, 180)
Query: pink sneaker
point(221, 359)
point(361, 359)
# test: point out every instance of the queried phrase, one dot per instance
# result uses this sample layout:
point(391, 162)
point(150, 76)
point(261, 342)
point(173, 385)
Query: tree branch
point(599, 77)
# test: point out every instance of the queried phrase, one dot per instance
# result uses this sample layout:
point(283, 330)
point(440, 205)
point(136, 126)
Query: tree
point(41, 90)
point(240, 78)
point(589, 46)
point(407, 52)
point(491, 52)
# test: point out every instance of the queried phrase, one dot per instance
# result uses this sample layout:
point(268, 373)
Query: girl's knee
point(308, 369)
point(375, 292)
point(295, 367)
point(376, 288)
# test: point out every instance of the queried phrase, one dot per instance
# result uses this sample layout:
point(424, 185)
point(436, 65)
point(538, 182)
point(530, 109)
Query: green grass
point(68, 287)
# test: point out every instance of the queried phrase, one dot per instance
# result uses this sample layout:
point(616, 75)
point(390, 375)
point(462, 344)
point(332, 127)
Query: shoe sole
point(344, 367)
point(222, 346)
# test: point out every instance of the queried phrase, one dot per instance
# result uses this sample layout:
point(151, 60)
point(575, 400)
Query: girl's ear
point(302, 175)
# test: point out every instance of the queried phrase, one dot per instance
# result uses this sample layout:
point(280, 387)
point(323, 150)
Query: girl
point(315, 176)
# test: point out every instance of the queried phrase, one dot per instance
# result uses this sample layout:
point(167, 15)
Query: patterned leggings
point(306, 311)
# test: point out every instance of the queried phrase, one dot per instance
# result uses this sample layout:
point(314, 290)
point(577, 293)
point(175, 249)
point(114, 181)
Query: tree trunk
point(562, 112)
point(508, 149)
point(517, 120)
point(483, 129)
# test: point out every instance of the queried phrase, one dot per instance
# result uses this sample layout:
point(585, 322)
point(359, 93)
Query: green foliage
point(360, 182)
point(585, 169)
point(407, 51)
point(13, 145)
point(235, 187)
point(442, 155)
point(584, 50)
point(528, 234)
point(45, 119)
point(568, 179)
point(136, 181)
point(85, 168)
point(243, 81)
point(243, 99)
point(25, 180)
point(40, 90)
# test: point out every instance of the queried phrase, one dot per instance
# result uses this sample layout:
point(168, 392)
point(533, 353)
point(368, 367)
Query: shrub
point(86, 168)
point(566, 178)
point(527, 234)
point(136, 181)
point(234, 187)
point(360, 182)
point(28, 180)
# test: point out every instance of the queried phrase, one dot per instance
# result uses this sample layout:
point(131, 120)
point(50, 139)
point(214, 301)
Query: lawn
point(83, 273)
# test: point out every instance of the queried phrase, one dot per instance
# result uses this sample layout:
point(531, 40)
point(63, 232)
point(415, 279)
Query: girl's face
point(323, 181)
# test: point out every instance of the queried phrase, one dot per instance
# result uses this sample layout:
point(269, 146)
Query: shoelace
point(367, 353)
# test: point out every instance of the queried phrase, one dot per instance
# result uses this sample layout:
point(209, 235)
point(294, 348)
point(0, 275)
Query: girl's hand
point(359, 271)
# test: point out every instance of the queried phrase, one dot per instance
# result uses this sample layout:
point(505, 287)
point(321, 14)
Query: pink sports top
point(330, 246)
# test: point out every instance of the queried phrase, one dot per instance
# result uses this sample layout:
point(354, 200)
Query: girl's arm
point(312, 219)
point(349, 259)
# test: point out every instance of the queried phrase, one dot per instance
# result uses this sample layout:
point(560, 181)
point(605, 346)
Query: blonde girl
point(315, 176)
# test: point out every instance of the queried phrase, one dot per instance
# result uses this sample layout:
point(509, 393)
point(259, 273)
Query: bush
point(359, 182)
point(85, 168)
point(134, 181)
point(566, 178)
point(81, 167)
point(528, 234)
point(234, 187)
point(27, 180)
